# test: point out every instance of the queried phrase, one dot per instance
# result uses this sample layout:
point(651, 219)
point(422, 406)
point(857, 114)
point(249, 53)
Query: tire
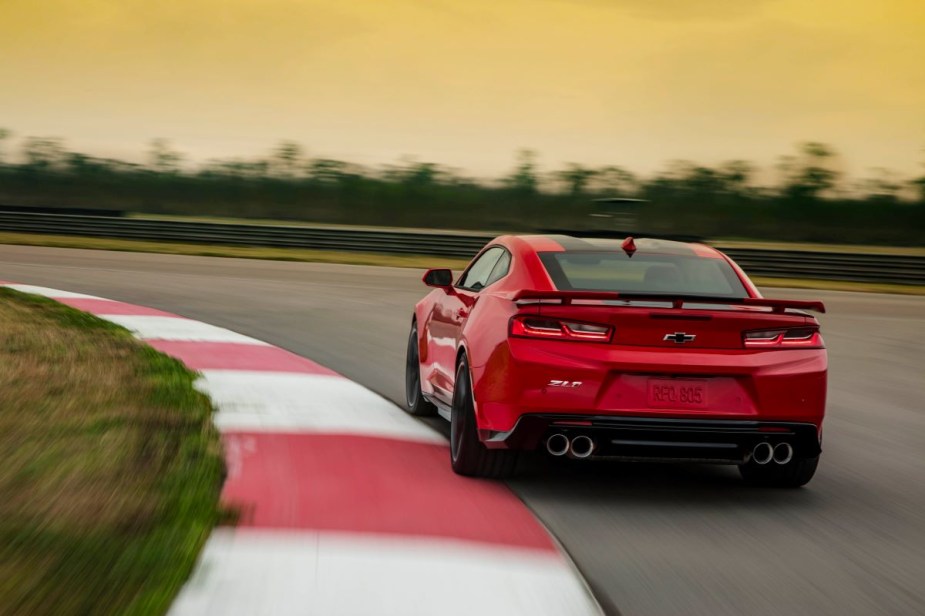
point(415, 403)
point(468, 456)
point(794, 474)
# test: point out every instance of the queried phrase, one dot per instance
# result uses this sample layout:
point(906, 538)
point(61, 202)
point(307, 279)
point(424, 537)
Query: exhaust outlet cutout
point(581, 447)
point(557, 445)
point(783, 453)
point(762, 453)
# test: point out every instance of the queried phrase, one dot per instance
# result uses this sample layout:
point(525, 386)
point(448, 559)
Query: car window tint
point(501, 268)
point(653, 273)
point(476, 277)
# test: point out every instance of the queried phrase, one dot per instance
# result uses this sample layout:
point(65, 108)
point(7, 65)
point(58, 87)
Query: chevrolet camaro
point(635, 349)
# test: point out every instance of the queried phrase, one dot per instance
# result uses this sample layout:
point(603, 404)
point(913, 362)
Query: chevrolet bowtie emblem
point(679, 337)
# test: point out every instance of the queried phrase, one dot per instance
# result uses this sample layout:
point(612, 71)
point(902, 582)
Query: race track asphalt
point(651, 539)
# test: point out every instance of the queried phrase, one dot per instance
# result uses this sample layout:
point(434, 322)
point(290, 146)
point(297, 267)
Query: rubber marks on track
point(347, 505)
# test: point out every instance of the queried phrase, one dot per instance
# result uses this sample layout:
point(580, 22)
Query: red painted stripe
point(369, 485)
point(237, 356)
point(113, 308)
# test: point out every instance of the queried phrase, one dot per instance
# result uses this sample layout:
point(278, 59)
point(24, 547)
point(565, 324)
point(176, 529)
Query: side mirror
point(440, 278)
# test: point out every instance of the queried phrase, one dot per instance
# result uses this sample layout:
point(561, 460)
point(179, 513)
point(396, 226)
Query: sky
point(467, 83)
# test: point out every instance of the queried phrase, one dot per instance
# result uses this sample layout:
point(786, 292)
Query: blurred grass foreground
point(111, 467)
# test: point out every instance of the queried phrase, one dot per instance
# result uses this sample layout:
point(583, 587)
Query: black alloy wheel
point(415, 403)
point(468, 455)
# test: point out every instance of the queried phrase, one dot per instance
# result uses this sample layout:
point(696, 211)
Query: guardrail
point(860, 267)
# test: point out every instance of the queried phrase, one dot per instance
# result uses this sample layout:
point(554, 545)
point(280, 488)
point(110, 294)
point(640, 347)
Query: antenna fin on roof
point(629, 246)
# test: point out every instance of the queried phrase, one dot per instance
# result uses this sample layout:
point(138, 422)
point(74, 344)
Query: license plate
point(677, 394)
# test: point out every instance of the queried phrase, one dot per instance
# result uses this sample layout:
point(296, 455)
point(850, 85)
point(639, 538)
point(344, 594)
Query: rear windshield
point(643, 273)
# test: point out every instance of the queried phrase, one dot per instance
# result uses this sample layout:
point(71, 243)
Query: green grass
point(304, 223)
point(111, 467)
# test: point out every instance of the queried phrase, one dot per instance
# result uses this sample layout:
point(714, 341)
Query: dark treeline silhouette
point(810, 201)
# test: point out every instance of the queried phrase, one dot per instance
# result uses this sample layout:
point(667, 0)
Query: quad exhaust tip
point(581, 447)
point(765, 453)
point(783, 453)
point(557, 444)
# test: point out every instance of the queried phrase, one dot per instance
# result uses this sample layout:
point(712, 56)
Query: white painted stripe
point(52, 293)
point(282, 402)
point(177, 328)
point(283, 573)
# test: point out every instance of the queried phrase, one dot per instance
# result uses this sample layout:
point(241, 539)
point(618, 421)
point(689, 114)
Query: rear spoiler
point(677, 301)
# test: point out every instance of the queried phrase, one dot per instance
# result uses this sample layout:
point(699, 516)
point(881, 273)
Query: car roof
point(569, 243)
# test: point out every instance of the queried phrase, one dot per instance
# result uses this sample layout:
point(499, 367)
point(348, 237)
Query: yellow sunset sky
point(468, 82)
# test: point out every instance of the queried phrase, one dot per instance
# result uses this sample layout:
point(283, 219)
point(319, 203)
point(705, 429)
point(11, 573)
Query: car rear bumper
point(714, 440)
point(578, 379)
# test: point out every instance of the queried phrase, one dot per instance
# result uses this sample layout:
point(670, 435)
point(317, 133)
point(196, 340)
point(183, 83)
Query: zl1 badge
point(567, 384)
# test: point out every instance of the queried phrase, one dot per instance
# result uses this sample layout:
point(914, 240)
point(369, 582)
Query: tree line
point(811, 200)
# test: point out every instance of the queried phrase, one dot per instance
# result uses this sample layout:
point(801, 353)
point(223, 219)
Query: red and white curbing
point(348, 505)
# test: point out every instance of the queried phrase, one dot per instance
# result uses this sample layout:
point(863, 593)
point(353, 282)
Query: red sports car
point(640, 349)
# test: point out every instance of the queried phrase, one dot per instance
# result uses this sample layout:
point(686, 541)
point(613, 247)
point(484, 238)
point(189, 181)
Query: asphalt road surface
point(651, 539)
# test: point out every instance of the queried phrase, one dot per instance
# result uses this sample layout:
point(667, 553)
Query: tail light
point(799, 337)
point(556, 329)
